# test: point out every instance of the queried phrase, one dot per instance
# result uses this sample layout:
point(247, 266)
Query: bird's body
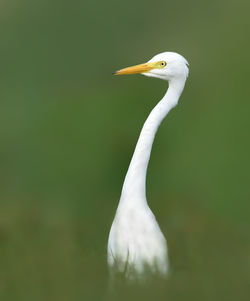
point(136, 243)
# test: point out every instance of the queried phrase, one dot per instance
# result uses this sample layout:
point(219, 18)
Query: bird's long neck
point(134, 187)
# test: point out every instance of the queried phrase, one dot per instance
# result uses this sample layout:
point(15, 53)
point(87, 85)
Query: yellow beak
point(142, 68)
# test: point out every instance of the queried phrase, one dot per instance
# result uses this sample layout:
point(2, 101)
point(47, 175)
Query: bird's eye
point(160, 64)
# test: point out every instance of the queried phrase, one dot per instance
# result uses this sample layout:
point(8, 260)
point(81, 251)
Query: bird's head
point(166, 65)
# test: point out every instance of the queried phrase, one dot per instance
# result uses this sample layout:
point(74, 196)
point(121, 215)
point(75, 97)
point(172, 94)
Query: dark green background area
point(68, 130)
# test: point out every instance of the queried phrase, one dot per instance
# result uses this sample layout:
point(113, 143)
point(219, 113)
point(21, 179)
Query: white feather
point(136, 242)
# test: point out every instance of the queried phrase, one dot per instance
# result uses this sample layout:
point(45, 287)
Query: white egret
point(136, 242)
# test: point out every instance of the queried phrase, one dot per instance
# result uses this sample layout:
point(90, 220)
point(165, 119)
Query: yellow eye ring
point(160, 64)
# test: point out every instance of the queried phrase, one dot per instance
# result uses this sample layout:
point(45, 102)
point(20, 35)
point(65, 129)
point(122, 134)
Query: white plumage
point(136, 243)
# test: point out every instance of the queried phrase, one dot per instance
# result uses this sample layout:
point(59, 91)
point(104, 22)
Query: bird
point(136, 244)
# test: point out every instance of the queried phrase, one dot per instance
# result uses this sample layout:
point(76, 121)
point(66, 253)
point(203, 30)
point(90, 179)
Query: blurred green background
point(68, 130)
